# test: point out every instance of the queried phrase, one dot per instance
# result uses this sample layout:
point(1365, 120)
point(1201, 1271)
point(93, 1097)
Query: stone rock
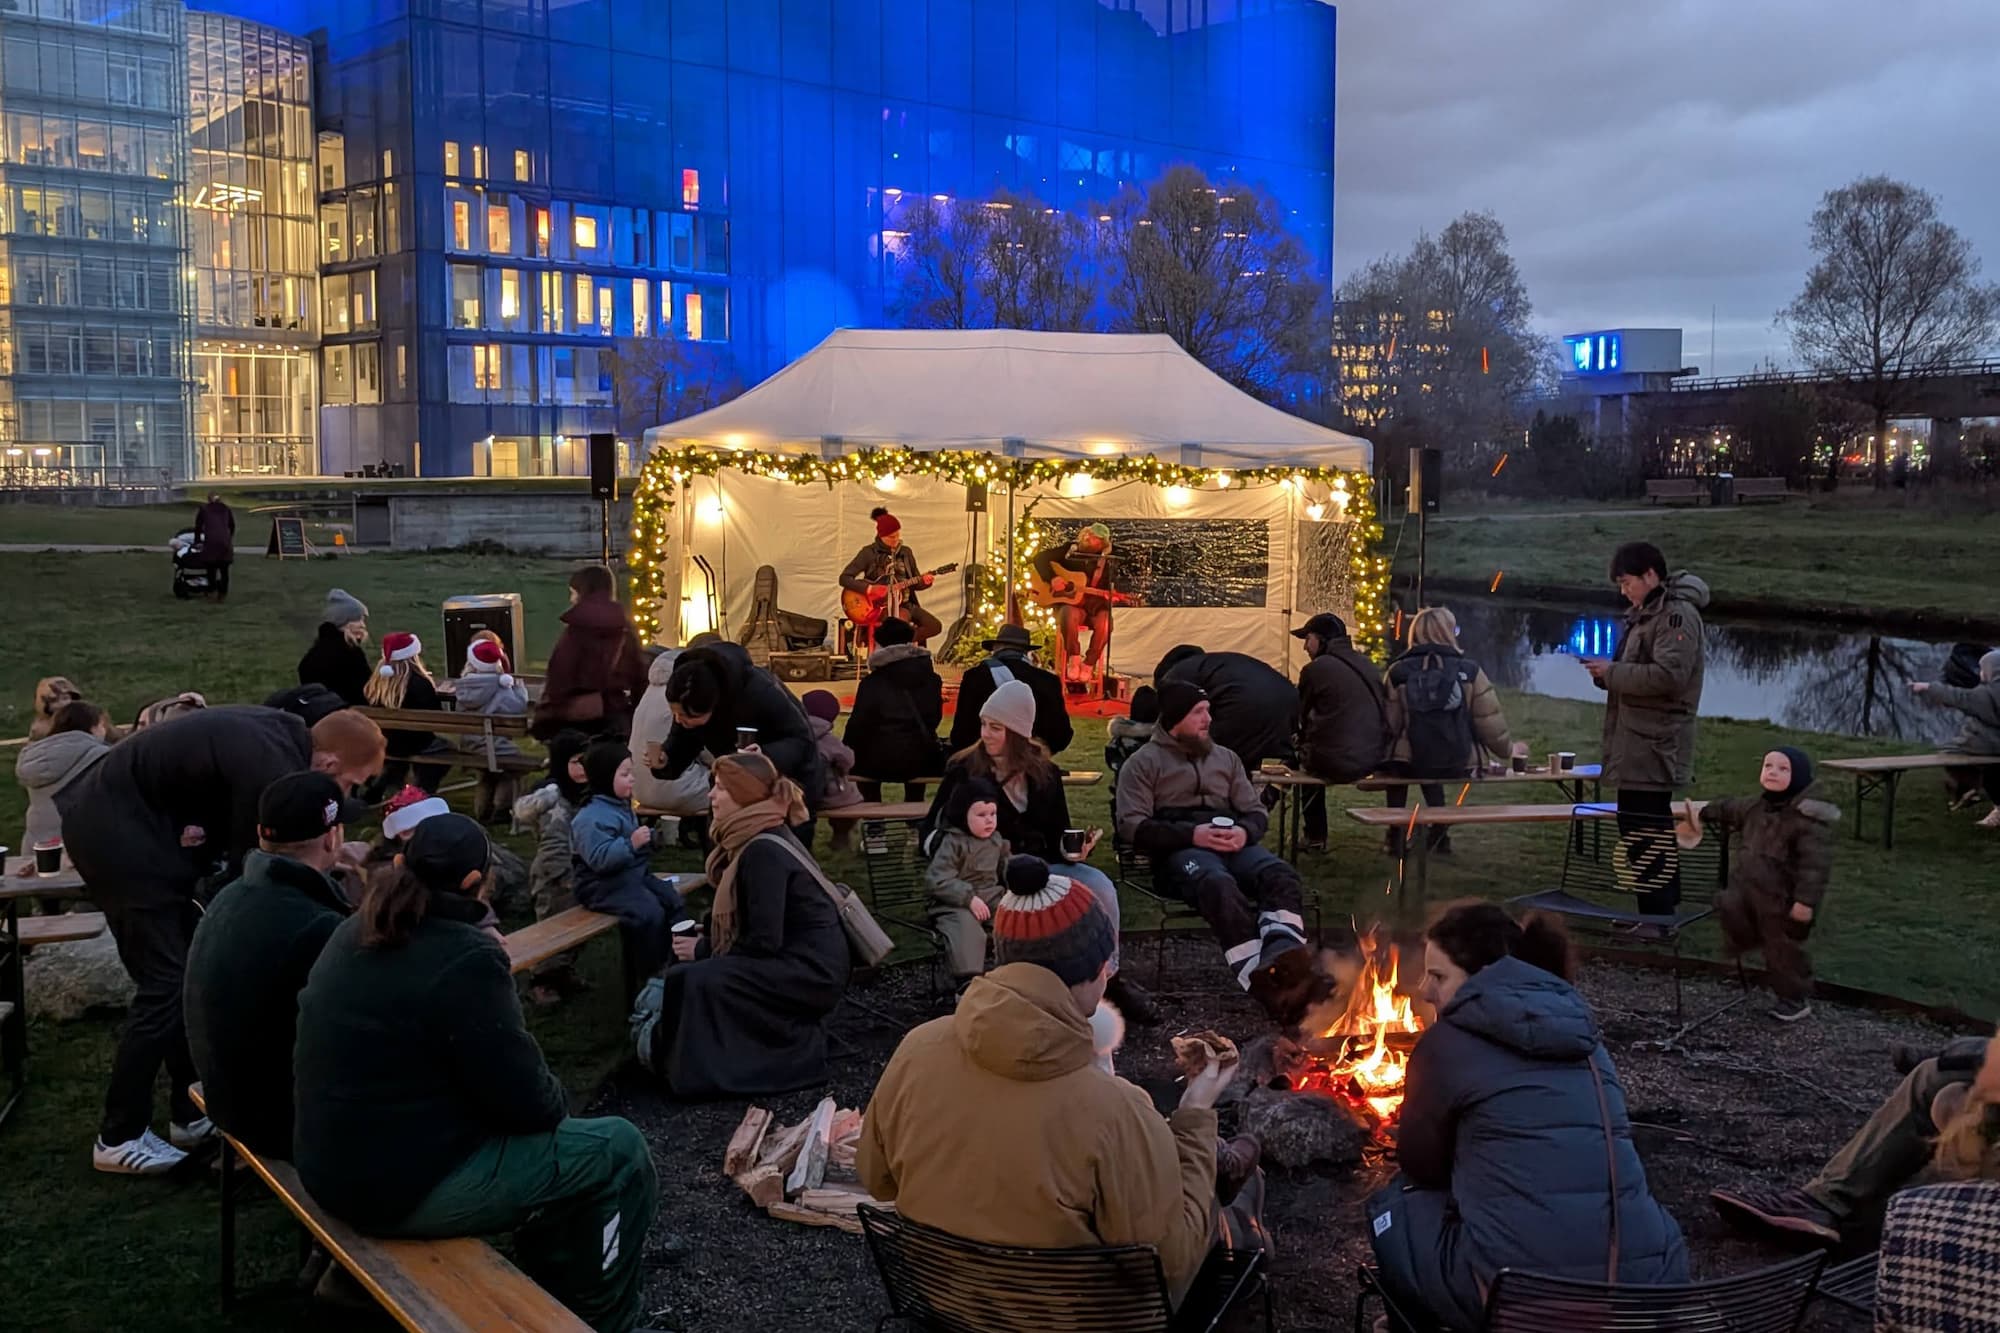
point(66, 981)
point(1304, 1130)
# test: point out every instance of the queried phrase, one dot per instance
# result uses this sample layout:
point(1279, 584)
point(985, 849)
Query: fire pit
point(1363, 1053)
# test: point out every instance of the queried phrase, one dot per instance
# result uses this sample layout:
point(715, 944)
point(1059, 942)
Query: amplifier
point(802, 666)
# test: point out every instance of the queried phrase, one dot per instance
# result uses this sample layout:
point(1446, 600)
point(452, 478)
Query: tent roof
point(1061, 394)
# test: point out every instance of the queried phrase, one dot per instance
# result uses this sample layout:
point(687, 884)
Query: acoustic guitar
point(869, 609)
point(1078, 592)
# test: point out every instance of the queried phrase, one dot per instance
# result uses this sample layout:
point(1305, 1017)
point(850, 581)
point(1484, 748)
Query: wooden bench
point(1749, 489)
point(489, 730)
point(1676, 490)
point(63, 928)
point(1083, 777)
point(427, 1286)
point(1569, 782)
point(571, 928)
point(63, 884)
point(1884, 773)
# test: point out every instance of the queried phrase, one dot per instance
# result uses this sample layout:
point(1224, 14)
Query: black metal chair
point(1768, 1300)
point(895, 866)
point(1852, 1284)
point(945, 1284)
point(1135, 873)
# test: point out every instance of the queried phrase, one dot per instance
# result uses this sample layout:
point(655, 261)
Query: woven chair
point(1940, 1269)
point(895, 866)
point(942, 1283)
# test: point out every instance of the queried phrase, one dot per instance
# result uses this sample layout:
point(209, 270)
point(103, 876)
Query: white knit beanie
point(1013, 707)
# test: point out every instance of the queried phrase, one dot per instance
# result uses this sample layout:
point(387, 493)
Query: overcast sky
point(1651, 160)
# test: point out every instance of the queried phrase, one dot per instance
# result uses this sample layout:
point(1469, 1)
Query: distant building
point(1604, 369)
point(1381, 354)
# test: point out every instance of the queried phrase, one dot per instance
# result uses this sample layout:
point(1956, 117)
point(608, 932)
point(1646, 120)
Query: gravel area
point(1748, 1097)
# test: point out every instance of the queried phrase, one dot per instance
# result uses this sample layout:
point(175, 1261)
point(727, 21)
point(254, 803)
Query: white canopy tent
point(1109, 401)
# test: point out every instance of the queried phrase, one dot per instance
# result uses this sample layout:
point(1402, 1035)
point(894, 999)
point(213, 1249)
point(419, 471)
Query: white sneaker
point(143, 1156)
point(189, 1137)
point(1992, 819)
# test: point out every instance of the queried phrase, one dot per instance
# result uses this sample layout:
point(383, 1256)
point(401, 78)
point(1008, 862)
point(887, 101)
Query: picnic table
point(1884, 773)
point(14, 942)
point(1569, 782)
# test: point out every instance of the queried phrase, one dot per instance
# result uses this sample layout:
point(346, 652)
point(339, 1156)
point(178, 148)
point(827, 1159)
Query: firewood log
point(810, 1169)
point(781, 1149)
point(813, 1217)
point(764, 1184)
point(741, 1154)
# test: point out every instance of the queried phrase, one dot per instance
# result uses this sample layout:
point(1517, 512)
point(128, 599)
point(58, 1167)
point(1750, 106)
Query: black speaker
point(975, 497)
point(603, 467)
point(1426, 480)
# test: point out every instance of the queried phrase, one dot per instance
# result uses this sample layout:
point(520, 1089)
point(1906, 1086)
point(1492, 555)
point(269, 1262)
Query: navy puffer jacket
point(1502, 1115)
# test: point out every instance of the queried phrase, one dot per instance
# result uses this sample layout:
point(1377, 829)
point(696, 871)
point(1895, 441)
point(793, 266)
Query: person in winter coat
point(1515, 1147)
point(1981, 733)
point(743, 1012)
point(715, 692)
point(886, 560)
point(1652, 688)
point(78, 736)
point(165, 809)
point(215, 542)
point(51, 693)
point(996, 1123)
point(609, 849)
point(402, 681)
point(1343, 717)
point(338, 658)
point(546, 812)
point(596, 670)
point(1443, 714)
point(487, 688)
point(426, 1111)
point(897, 708)
point(1010, 658)
point(822, 711)
point(252, 952)
point(1779, 874)
point(1256, 710)
point(963, 879)
point(684, 797)
point(1186, 802)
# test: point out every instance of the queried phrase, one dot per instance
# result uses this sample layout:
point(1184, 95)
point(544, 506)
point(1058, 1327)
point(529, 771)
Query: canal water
point(1845, 681)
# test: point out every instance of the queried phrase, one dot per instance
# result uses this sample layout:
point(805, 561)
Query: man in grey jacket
point(1981, 733)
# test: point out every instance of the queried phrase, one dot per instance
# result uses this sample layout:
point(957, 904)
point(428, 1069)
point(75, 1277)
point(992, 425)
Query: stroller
point(192, 576)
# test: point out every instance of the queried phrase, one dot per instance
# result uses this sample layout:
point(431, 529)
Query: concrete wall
point(559, 525)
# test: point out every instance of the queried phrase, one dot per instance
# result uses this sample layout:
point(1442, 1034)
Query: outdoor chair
point(939, 1282)
point(1851, 1284)
point(1768, 1300)
point(1940, 1269)
point(895, 865)
point(1135, 873)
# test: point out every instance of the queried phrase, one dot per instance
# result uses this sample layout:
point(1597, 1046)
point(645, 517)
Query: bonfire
point(1362, 1054)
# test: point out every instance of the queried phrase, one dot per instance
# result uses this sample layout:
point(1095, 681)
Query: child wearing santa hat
point(488, 689)
point(400, 681)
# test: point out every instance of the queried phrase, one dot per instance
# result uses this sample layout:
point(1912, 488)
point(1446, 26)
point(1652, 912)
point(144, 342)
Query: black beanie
point(1177, 700)
point(894, 631)
point(600, 765)
point(1802, 772)
point(565, 745)
point(1145, 704)
point(966, 795)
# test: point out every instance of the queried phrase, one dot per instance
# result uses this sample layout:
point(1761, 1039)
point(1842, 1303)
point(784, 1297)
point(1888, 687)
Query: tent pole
point(1013, 616)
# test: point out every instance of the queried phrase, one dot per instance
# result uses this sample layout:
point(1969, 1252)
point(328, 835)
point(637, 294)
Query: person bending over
point(719, 700)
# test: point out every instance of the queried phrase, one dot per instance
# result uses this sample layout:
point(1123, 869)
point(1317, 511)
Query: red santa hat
point(399, 647)
point(486, 656)
point(408, 808)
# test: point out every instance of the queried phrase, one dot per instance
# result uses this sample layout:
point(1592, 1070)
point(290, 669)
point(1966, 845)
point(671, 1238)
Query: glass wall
point(253, 224)
point(94, 332)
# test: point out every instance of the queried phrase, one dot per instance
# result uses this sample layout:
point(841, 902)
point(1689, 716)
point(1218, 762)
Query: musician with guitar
point(1078, 579)
point(883, 580)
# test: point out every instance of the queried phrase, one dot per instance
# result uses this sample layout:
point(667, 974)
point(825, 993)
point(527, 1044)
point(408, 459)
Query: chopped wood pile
point(800, 1173)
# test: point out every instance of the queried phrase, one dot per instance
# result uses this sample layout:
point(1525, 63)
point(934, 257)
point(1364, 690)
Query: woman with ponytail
point(401, 681)
point(1514, 1143)
point(743, 1013)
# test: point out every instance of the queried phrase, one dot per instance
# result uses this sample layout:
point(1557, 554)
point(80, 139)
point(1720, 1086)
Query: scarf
point(732, 833)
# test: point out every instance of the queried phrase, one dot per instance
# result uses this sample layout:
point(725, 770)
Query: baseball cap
point(302, 806)
point(1325, 624)
point(445, 849)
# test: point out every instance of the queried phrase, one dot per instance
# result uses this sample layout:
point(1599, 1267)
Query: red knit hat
point(1052, 921)
point(885, 522)
point(399, 647)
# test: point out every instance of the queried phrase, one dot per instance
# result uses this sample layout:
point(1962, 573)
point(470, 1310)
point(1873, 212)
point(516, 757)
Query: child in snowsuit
point(608, 851)
point(965, 873)
point(822, 711)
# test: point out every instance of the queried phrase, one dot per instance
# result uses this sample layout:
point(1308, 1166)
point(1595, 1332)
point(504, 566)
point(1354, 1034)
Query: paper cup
point(48, 857)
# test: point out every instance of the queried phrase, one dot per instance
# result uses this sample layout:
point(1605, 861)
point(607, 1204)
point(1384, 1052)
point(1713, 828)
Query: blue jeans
point(1248, 897)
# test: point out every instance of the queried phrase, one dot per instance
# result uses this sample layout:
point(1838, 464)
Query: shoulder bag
point(865, 937)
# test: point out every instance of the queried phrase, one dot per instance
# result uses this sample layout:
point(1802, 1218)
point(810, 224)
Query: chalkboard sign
point(288, 539)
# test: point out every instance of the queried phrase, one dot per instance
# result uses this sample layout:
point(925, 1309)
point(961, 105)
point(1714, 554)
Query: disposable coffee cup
point(48, 856)
point(1567, 759)
point(1072, 841)
point(1222, 821)
point(1520, 763)
point(1555, 761)
point(686, 927)
point(746, 737)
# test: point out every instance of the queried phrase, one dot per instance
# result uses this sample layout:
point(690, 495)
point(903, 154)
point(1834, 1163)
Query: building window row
point(91, 215)
point(92, 282)
point(350, 302)
point(503, 225)
point(32, 347)
point(511, 300)
point(83, 144)
point(160, 17)
point(57, 68)
point(113, 430)
point(529, 375)
point(367, 223)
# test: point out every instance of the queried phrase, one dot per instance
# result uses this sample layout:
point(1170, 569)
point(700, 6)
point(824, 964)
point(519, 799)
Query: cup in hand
point(48, 856)
point(1072, 841)
point(1222, 822)
point(686, 927)
point(746, 737)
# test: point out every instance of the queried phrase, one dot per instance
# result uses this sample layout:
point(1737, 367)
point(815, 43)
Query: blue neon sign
point(1595, 353)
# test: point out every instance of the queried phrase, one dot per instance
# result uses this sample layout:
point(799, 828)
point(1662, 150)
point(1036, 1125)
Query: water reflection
point(1842, 681)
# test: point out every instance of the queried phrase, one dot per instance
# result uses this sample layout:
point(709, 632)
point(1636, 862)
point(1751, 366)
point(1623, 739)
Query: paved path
point(1575, 513)
point(157, 548)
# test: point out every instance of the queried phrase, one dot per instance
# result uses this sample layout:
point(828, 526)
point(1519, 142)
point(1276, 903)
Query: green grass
point(90, 1252)
point(135, 525)
point(1854, 555)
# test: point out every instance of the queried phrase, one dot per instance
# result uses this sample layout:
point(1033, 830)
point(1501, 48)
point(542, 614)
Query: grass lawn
point(92, 1252)
point(1851, 554)
point(134, 525)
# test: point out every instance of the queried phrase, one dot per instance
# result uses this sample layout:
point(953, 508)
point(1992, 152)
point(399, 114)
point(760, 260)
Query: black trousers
point(1648, 856)
point(219, 579)
point(153, 946)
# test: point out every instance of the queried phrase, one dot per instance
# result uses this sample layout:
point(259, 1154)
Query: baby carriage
point(192, 577)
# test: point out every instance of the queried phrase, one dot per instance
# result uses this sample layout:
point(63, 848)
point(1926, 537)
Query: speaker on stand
point(604, 484)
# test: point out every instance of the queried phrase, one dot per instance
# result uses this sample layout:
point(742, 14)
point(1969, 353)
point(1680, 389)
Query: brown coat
point(1653, 690)
point(1786, 854)
point(596, 672)
point(1482, 703)
point(995, 1124)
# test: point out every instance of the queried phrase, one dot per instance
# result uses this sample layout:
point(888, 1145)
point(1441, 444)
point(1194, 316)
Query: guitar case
point(771, 630)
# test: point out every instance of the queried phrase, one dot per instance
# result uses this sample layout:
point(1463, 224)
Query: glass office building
point(94, 331)
point(514, 191)
point(252, 201)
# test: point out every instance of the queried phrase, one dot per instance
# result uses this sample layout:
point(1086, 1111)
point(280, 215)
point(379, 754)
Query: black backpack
point(1437, 714)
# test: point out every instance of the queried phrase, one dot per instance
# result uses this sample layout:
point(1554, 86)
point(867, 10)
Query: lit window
point(642, 291)
point(461, 225)
point(486, 366)
point(583, 231)
point(604, 308)
point(510, 293)
point(690, 188)
point(499, 229)
point(451, 157)
point(521, 165)
point(586, 301)
point(694, 315)
point(388, 164)
point(479, 161)
point(402, 366)
point(541, 233)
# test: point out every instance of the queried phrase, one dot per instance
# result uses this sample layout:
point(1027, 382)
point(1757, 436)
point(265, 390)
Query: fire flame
point(1370, 1069)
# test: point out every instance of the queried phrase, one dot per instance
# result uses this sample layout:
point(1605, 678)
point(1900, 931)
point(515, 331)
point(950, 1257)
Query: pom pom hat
point(399, 647)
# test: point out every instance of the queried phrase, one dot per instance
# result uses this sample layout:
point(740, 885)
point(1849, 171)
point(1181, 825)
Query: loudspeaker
point(975, 497)
point(466, 616)
point(603, 467)
point(1426, 480)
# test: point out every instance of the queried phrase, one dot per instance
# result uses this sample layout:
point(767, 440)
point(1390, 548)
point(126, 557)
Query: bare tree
point(1036, 269)
point(1893, 293)
point(1214, 268)
point(944, 253)
point(656, 380)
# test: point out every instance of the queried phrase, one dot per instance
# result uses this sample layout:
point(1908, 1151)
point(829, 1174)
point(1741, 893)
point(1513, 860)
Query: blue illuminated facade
point(515, 188)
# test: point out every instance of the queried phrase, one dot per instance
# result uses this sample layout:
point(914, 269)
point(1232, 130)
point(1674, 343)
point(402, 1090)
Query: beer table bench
point(1884, 773)
point(17, 935)
point(1568, 782)
point(488, 731)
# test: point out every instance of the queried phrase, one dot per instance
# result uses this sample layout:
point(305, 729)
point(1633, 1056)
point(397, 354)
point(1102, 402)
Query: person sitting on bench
point(610, 850)
point(1891, 1152)
point(425, 1110)
point(1981, 733)
point(403, 681)
point(898, 707)
point(251, 955)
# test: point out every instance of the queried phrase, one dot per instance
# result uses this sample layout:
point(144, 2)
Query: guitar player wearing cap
point(1079, 579)
point(885, 573)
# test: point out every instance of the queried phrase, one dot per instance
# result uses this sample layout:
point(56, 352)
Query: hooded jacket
point(897, 709)
point(1254, 708)
point(596, 672)
point(651, 721)
point(45, 767)
point(995, 1124)
point(1786, 855)
point(1344, 727)
point(481, 692)
point(751, 697)
point(1981, 706)
point(838, 762)
point(337, 664)
point(122, 820)
point(1653, 689)
point(1170, 787)
point(975, 687)
point(1501, 1114)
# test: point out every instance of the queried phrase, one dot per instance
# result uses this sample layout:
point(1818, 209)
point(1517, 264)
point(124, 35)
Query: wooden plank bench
point(1569, 783)
point(1750, 489)
point(570, 928)
point(488, 730)
point(1676, 490)
point(1884, 773)
point(461, 1285)
point(63, 928)
point(63, 884)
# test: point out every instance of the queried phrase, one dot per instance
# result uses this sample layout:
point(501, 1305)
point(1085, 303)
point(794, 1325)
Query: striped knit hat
point(1051, 920)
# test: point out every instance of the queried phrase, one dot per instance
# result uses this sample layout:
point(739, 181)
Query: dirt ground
point(1751, 1098)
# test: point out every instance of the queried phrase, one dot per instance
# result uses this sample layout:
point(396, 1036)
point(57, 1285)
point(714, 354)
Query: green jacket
point(409, 1058)
point(1653, 690)
point(248, 962)
point(964, 867)
point(1786, 854)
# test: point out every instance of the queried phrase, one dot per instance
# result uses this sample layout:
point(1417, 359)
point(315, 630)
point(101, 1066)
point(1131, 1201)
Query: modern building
point(517, 195)
point(95, 382)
